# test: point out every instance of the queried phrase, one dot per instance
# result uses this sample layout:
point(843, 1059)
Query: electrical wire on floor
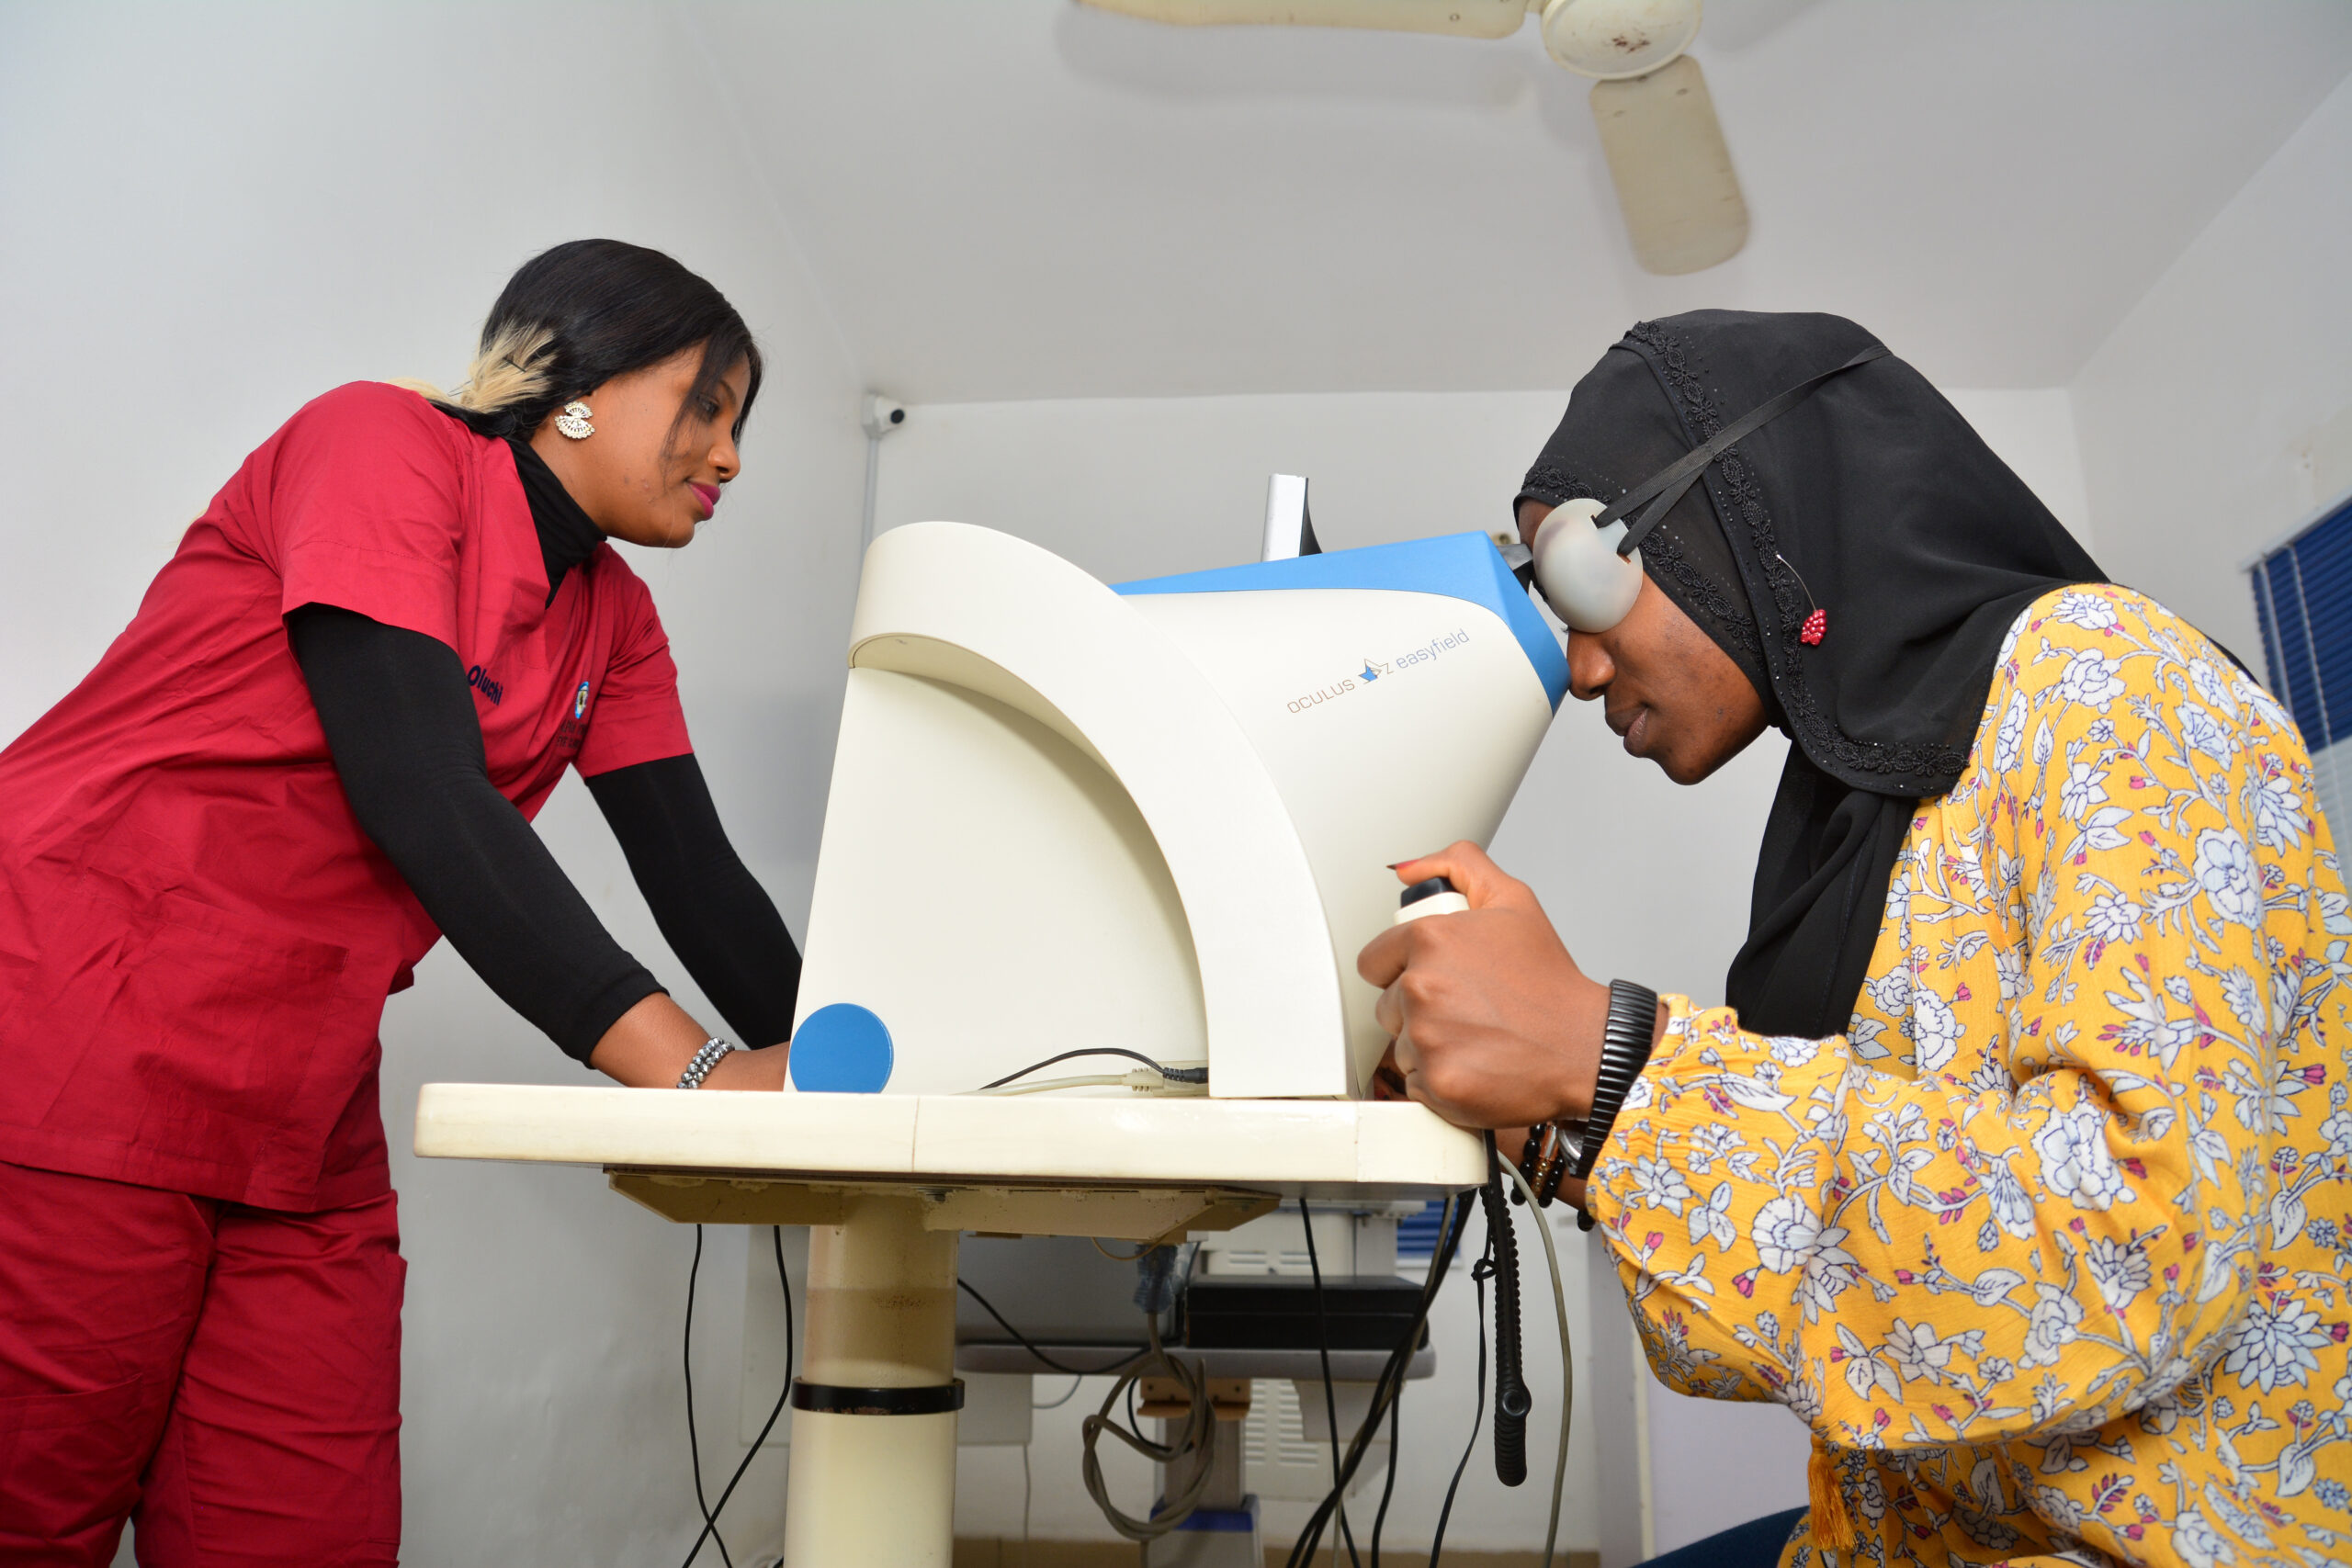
point(710, 1515)
point(1331, 1403)
point(1389, 1385)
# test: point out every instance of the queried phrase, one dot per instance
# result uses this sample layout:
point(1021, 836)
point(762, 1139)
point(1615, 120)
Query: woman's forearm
point(715, 915)
point(651, 1044)
point(400, 724)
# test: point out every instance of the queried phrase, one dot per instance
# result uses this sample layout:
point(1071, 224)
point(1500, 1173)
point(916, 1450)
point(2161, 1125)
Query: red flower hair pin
point(1816, 625)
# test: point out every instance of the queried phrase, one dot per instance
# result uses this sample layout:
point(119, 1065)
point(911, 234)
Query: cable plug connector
point(1148, 1080)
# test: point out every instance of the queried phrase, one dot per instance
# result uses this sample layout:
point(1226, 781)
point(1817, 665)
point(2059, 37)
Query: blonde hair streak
point(510, 369)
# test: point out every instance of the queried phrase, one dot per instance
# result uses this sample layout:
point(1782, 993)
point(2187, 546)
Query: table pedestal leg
point(872, 1471)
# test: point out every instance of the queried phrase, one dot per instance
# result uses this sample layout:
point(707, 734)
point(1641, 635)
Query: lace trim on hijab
point(1674, 359)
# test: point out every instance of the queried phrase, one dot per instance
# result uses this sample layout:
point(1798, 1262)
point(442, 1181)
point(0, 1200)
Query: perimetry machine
point(1068, 819)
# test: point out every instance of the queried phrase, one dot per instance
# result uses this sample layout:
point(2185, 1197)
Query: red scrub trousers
point(227, 1376)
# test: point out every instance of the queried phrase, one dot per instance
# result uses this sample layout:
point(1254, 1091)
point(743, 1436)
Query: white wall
point(1643, 879)
point(214, 213)
point(2219, 412)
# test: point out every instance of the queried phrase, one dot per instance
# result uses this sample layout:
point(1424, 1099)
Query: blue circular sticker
point(840, 1048)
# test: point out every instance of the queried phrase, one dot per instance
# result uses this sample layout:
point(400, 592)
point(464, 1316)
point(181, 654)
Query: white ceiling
point(1027, 199)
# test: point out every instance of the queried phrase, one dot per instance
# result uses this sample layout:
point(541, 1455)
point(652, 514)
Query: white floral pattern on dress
point(2052, 1249)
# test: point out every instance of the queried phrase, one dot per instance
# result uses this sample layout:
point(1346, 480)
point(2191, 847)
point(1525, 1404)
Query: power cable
point(1389, 1386)
point(1075, 1380)
point(1452, 1220)
point(1568, 1366)
point(694, 1443)
point(986, 1306)
point(711, 1519)
point(1479, 1273)
point(1197, 1434)
point(1173, 1075)
point(1323, 1347)
point(1513, 1402)
point(1388, 1487)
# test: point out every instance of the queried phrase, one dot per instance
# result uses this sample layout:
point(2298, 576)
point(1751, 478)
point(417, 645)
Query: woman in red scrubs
point(316, 748)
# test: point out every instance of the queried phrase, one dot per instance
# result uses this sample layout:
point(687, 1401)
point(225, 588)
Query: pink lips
point(708, 495)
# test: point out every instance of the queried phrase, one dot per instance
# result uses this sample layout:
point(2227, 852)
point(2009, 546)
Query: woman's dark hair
point(574, 317)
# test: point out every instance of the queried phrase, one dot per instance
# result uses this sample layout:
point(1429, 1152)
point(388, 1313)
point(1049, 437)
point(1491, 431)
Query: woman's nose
point(725, 459)
point(1590, 667)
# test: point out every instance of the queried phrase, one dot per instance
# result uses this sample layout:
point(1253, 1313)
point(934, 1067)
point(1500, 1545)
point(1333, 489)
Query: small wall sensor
point(881, 415)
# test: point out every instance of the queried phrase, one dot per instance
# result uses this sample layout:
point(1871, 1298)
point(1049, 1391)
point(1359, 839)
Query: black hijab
point(1920, 547)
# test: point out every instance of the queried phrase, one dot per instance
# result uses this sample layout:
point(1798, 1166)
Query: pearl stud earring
point(574, 421)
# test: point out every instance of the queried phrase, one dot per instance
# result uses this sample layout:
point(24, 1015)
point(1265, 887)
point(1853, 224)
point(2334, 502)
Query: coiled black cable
point(1512, 1401)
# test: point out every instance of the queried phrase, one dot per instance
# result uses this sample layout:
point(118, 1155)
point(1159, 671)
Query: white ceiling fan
point(1667, 156)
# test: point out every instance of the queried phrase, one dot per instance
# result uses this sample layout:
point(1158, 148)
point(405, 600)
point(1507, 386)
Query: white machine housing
point(1157, 816)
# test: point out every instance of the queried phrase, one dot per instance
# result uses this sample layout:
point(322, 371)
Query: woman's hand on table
point(759, 1069)
point(1388, 1083)
point(1494, 1025)
point(650, 1045)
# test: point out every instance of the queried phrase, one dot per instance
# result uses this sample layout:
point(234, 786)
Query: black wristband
point(1624, 1051)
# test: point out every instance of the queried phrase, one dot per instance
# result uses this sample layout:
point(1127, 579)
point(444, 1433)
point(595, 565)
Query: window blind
point(2303, 597)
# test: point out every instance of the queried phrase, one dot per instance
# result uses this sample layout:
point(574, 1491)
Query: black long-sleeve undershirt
point(400, 725)
point(715, 916)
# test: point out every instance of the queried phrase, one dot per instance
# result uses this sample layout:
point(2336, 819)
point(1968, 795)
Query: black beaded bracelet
point(1530, 1155)
point(1565, 1150)
point(1624, 1051)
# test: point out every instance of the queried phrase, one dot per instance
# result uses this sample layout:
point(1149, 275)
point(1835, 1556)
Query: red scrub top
point(195, 938)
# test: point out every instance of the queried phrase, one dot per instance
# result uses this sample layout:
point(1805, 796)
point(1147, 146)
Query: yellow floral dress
point(2050, 1250)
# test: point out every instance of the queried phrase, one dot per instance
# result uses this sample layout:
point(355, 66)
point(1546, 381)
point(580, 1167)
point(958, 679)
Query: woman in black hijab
point(1881, 501)
point(1995, 1155)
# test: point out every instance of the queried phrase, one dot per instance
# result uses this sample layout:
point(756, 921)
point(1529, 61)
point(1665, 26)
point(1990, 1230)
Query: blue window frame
point(1416, 1234)
point(2303, 597)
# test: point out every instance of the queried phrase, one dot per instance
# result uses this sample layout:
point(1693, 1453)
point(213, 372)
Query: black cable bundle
point(1513, 1402)
point(1386, 1389)
point(694, 1448)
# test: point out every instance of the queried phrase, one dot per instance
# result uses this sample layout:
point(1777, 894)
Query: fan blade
point(1672, 169)
point(1463, 18)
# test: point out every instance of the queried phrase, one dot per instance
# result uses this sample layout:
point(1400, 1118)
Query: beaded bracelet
point(705, 1059)
point(1566, 1149)
point(1530, 1155)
